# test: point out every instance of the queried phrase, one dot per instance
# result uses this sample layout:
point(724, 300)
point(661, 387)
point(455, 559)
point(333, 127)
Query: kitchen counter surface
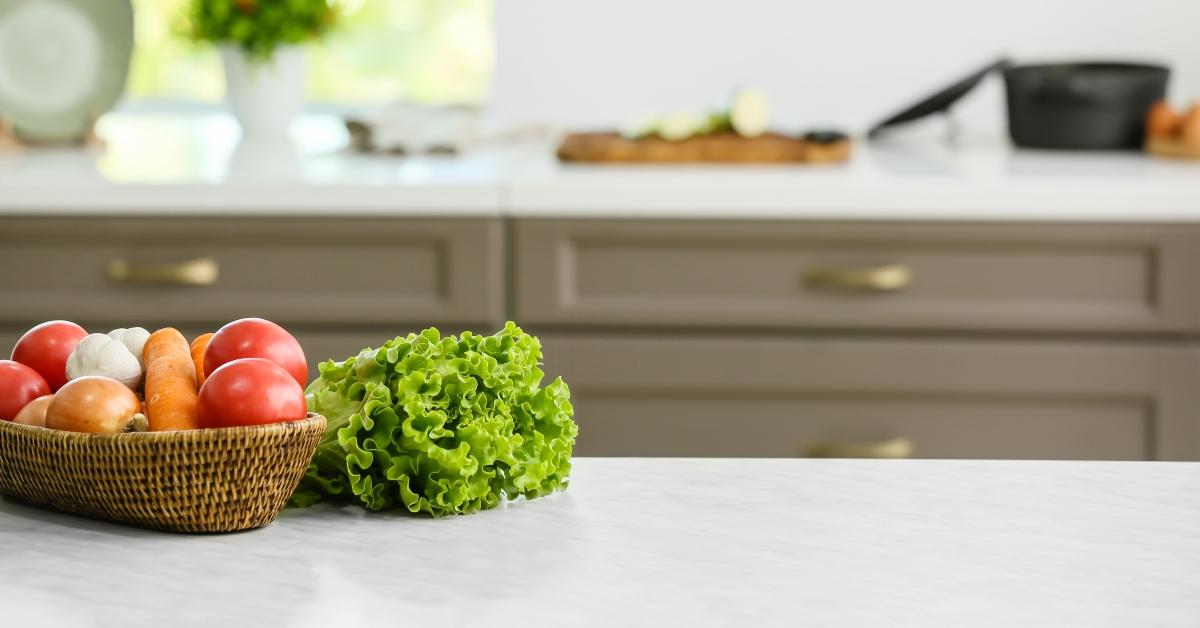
point(659, 542)
point(928, 180)
point(172, 164)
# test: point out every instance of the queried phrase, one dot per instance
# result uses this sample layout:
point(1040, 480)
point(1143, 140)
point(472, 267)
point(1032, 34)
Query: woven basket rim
point(174, 435)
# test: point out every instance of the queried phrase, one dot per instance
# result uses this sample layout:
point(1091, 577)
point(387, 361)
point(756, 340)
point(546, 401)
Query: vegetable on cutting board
point(749, 115)
point(95, 404)
point(199, 344)
point(441, 425)
point(100, 354)
point(34, 412)
point(716, 122)
point(642, 127)
point(46, 347)
point(19, 385)
point(250, 391)
point(171, 389)
point(679, 125)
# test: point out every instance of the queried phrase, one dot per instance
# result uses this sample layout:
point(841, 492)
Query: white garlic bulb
point(99, 354)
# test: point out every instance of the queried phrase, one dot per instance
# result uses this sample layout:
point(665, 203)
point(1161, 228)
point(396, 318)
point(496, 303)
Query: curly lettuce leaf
point(441, 425)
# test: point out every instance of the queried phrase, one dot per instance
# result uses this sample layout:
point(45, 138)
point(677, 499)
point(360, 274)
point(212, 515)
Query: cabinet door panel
point(350, 271)
point(1065, 278)
point(720, 396)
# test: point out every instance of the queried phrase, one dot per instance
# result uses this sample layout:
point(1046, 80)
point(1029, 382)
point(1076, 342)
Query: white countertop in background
point(932, 181)
point(165, 164)
point(170, 164)
point(645, 542)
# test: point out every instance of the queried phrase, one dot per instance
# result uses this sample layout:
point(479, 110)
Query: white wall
point(847, 63)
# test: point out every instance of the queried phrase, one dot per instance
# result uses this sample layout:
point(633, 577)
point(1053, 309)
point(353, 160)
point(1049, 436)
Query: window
point(435, 51)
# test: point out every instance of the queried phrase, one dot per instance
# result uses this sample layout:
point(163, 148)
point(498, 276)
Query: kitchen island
point(662, 542)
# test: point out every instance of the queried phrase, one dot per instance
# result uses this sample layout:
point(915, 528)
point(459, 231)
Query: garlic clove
point(134, 339)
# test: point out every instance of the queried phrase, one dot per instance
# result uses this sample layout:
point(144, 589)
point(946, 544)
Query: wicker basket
point(218, 480)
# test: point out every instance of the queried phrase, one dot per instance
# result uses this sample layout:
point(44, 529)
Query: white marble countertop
point(981, 181)
point(172, 164)
point(662, 543)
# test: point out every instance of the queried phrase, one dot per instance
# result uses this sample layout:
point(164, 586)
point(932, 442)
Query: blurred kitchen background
point(1010, 274)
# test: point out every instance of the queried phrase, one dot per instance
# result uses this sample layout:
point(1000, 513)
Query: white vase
point(264, 94)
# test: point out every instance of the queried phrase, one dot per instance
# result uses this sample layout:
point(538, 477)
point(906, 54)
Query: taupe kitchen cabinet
point(338, 283)
point(861, 276)
point(719, 395)
point(791, 338)
point(705, 338)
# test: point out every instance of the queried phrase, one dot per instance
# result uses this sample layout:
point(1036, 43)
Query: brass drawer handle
point(888, 278)
point(197, 272)
point(891, 448)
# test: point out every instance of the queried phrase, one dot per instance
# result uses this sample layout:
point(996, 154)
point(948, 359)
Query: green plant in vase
point(260, 42)
point(260, 27)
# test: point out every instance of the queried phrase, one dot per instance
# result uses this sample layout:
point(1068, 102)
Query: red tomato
point(256, 338)
point(19, 385)
point(250, 391)
point(45, 349)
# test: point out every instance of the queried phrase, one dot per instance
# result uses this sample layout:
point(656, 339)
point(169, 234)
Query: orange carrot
point(171, 388)
point(198, 347)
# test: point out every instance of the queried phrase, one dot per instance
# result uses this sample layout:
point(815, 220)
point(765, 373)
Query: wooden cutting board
point(716, 148)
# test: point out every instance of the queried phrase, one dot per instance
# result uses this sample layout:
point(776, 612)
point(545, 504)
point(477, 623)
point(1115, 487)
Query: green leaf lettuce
point(441, 425)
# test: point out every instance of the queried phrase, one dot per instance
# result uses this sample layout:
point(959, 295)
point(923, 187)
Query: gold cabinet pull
point(891, 448)
point(202, 271)
point(887, 278)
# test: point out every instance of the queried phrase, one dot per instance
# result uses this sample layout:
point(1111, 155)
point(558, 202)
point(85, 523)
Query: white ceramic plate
point(62, 63)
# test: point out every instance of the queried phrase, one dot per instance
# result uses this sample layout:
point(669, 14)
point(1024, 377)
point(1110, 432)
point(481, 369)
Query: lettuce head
point(440, 425)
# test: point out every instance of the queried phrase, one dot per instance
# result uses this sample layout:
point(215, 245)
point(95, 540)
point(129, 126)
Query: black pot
point(1082, 105)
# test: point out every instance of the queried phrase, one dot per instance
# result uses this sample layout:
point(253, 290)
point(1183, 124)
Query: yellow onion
point(95, 404)
point(34, 412)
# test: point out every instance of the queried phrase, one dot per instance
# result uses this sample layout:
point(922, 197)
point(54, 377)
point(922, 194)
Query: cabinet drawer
point(726, 397)
point(1068, 278)
point(344, 271)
